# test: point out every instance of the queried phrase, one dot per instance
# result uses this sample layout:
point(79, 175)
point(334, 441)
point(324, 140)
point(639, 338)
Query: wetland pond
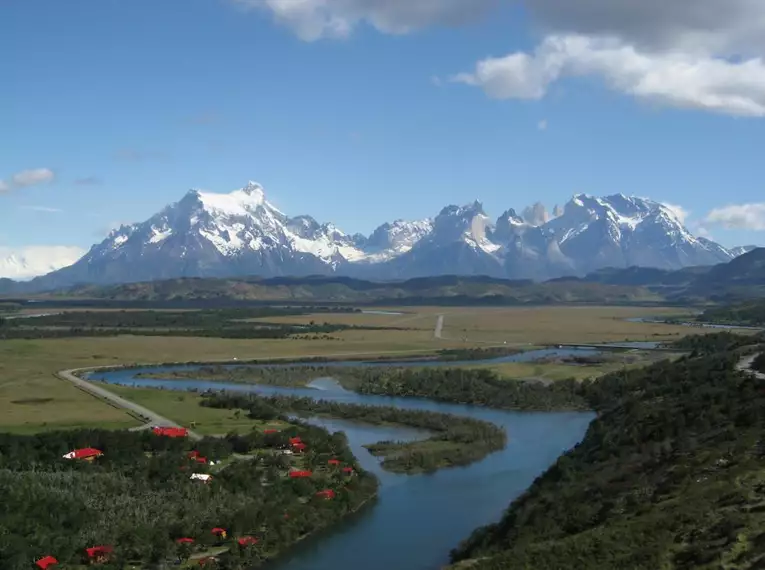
point(417, 519)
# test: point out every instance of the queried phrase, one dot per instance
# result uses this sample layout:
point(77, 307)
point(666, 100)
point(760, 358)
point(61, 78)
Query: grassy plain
point(184, 408)
point(32, 398)
point(518, 325)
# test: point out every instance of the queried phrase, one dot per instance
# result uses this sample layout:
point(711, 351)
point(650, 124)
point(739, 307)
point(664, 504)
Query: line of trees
point(455, 440)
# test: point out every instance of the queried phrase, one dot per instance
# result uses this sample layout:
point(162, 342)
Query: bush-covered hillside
point(670, 476)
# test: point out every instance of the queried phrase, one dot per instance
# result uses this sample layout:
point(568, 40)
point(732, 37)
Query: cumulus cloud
point(681, 213)
point(26, 178)
point(738, 217)
point(674, 78)
point(315, 19)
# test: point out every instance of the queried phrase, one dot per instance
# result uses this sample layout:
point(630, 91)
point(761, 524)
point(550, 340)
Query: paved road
point(151, 418)
point(745, 365)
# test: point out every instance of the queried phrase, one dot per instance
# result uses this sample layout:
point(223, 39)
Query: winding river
point(418, 518)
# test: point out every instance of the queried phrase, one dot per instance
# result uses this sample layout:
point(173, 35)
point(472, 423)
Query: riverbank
point(455, 440)
point(668, 476)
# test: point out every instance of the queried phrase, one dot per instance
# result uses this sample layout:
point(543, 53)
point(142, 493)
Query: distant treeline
point(139, 497)
point(459, 385)
point(714, 343)
point(457, 440)
point(750, 313)
point(224, 323)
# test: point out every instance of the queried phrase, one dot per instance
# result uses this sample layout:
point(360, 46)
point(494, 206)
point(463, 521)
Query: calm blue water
point(418, 518)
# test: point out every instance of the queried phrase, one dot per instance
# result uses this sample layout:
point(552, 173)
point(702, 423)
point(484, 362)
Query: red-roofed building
point(295, 440)
point(200, 459)
point(326, 494)
point(46, 562)
point(270, 431)
point(299, 447)
point(193, 454)
point(348, 470)
point(247, 541)
point(334, 462)
point(185, 541)
point(86, 454)
point(171, 431)
point(99, 554)
point(217, 531)
point(300, 474)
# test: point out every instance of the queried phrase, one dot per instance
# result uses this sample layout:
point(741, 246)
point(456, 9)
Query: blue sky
point(361, 112)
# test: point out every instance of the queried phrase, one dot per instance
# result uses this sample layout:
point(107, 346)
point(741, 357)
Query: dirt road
point(145, 414)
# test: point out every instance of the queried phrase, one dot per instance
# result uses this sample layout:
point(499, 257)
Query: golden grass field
point(33, 398)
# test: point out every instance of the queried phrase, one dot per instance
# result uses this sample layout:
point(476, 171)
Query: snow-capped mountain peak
point(242, 233)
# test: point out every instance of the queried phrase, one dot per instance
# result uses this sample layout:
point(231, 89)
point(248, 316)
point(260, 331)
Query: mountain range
point(242, 234)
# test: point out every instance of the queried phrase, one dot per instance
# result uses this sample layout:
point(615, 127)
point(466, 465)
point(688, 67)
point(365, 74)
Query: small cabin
point(247, 541)
point(204, 477)
point(294, 440)
point(300, 474)
point(326, 494)
point(99, 554)
point(185, 540)
point(219, 532)
point(46, 562)
point(334, 462)
point(86, 454)
point(299, 447)
point(348, 470)
point(170, 431)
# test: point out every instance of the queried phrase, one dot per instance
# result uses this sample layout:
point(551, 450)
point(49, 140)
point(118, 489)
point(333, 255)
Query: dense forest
point(668, 476)
point(714, 343)
point(138, 497)
point(749, 313)
point(456, 440)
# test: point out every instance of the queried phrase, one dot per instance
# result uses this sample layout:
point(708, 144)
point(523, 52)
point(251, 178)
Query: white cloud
point(32, 177)
point(42, 209)
point(542, 125)
point(28, 262)
point(738, 216)
point(681, 213)
point(674, 79)
point(315, 19)
point(26, 178)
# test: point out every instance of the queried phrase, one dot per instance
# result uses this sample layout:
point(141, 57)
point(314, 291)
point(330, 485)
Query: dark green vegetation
point(759, 363)
point(463, 354)
point(714, 343)
point(140, 499)
point(220, 323)
point(456, 440)
point(459, 385)
point(750, 313)
point(668, 476)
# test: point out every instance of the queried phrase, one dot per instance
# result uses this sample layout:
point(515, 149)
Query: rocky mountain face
point(241, 233)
